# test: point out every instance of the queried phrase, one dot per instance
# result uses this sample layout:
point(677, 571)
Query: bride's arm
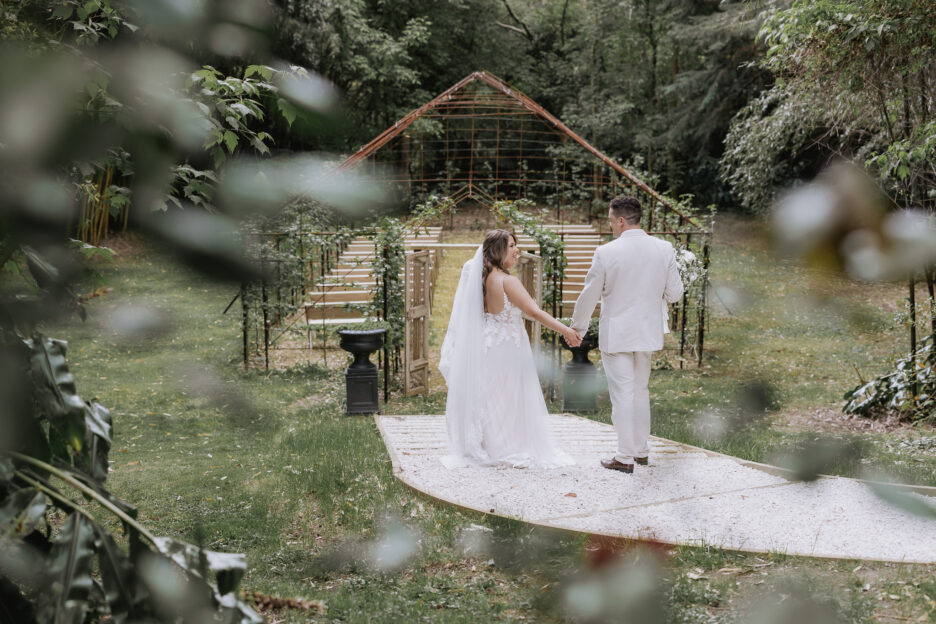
point(518, 296)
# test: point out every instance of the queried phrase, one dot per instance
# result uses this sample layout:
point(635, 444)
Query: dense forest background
point(653, 83)
point(727, 101)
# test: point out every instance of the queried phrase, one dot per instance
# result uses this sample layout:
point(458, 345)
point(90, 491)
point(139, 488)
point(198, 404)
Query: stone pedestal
point(361, 375)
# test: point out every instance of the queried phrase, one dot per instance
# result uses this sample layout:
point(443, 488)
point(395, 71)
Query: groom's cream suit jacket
point(632, 276)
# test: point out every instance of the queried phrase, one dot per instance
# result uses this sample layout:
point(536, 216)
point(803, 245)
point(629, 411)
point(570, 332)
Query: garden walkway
point(686, 496)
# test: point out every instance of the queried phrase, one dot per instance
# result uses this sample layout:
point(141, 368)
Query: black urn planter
point(580, 378)
point(361, 375)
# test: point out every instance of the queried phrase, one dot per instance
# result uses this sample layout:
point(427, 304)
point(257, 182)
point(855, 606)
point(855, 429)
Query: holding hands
point(572, 337)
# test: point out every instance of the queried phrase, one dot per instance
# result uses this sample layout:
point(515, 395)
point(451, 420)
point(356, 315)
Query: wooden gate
point(418, 275)
point(530, 272)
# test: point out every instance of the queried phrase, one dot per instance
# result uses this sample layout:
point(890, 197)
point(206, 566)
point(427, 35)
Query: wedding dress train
point(495, 410)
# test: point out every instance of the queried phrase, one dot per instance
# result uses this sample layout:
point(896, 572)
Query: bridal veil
point(461, 359)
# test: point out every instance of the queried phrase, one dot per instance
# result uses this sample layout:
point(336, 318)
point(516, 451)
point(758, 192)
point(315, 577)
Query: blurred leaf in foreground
point(630, 590)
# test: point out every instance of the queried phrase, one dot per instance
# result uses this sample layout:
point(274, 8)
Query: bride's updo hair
point(494, 252)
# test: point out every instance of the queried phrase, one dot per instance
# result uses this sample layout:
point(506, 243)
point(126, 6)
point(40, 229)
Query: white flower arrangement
point(690, 267)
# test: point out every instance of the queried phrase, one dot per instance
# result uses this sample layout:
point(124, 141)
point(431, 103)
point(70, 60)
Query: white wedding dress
point(495, 412)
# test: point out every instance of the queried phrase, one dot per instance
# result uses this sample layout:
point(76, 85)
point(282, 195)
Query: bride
point(495, 410)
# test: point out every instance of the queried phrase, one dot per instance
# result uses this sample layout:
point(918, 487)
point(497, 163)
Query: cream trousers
point(628, 375)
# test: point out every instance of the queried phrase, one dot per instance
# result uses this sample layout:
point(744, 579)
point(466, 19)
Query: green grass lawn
point(267, 464)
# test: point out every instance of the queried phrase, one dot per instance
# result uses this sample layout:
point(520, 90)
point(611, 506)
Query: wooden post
point(386, 305)
point(703, 301)
point(682, 323)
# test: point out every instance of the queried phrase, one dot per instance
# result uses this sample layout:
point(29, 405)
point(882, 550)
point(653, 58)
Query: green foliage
point(910, 389)
point(89, 21)
point(763, 149)
point(858, 72)
point(656, 79)
point(908, 162)
point(551, 246)
point(51, 424)
point(852, 80)
point(234, 105)
point(369, 61)
point(84, 91)
point(228, 112)
point(387, 302)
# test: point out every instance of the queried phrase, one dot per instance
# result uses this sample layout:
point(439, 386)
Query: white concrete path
point(686, 496)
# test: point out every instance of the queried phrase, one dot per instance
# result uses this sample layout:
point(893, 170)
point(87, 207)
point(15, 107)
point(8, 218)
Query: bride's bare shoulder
point(511, 284)
point(496, 277)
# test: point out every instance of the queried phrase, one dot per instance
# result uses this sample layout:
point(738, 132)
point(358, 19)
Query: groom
point(632, 275)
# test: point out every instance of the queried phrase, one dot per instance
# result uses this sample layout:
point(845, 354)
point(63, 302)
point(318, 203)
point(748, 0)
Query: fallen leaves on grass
point(94, 294)
point(272, 603)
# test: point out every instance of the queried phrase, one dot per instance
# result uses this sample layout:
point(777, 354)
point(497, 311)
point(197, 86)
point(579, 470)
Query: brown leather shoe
point(613, 464)
point(642, 461)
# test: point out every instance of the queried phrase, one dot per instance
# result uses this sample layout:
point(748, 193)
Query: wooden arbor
point(483, 140)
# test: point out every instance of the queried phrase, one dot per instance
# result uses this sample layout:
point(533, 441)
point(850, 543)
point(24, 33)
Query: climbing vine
point(551, 246)
point(388, 301)
point(293, 249)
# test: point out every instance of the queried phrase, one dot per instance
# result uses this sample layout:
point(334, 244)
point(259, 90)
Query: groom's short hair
point(628, 208)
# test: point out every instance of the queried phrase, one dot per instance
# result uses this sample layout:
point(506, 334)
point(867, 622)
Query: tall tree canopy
point(653, 83)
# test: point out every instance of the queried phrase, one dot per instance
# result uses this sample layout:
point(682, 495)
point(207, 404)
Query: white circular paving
point(686, 496)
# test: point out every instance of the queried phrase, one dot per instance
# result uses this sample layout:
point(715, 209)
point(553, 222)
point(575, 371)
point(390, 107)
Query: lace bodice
point(504, 326)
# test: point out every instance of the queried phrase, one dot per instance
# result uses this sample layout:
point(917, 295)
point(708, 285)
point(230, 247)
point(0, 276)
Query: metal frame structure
point(483, 140)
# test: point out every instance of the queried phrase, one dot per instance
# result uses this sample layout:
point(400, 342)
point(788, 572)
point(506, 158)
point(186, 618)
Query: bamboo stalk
point(104, 205)
point(83, 222)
